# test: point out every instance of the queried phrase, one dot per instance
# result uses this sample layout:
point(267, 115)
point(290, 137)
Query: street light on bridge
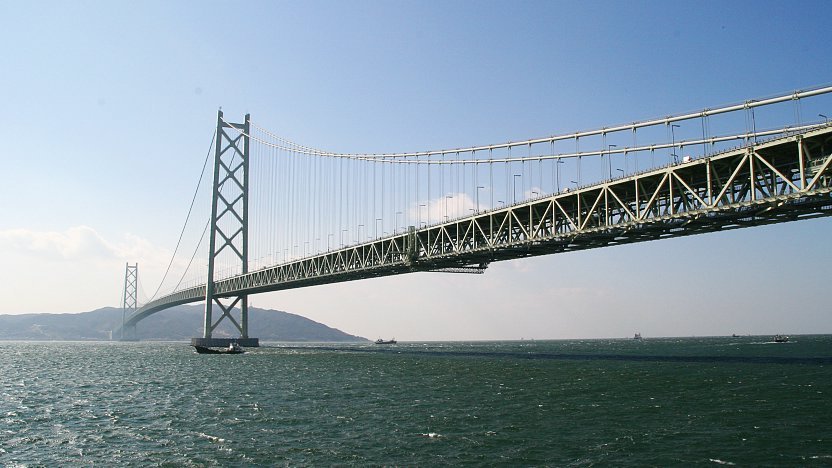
point(825, 117)
point(673, 142)
point(478, 197)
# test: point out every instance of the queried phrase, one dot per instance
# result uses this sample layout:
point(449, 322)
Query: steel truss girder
point(780, 180)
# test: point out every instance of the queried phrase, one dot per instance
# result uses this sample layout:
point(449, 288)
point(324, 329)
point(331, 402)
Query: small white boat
point(233, 348)
point(637, 336)
point(781, 339)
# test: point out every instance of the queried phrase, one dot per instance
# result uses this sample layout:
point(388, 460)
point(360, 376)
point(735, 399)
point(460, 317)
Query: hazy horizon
point(111, 107)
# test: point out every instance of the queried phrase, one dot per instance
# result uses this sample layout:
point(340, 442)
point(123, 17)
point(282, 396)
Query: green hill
point(176, 324)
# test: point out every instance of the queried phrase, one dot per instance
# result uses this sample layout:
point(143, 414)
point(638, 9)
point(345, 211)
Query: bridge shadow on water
point(404, 351)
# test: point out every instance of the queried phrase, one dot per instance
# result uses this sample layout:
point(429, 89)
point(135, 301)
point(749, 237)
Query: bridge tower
point(129, 301)
point(229, 231)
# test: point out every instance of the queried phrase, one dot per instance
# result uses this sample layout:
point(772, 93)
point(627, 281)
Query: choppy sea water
point(689, 401)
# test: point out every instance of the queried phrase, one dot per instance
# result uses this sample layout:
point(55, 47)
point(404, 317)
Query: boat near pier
point(233, 348)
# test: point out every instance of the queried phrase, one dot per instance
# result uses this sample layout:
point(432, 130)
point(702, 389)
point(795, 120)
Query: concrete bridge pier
point(128, 333)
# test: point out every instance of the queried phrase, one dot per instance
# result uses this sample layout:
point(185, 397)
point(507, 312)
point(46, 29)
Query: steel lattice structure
point(130, 301)
point(784, 179)
point(229, 221)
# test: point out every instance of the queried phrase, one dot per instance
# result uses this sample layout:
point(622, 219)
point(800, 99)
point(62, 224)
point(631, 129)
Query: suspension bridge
point(287, 216)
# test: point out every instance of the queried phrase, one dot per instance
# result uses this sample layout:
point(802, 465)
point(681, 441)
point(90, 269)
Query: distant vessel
point(637, 336)
point(781, 339)
point(380, 341)
point(735, 335)
point(232, 348)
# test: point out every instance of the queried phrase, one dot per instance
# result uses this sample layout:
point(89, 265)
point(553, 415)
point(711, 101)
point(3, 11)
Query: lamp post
point(397, 222)
point(625, 163)
point(378, 220)
point(342, 236)
point(359, 231)
point(673, 142)
point(478, 197)
point(557, 171)
point(447, 197)
point(825, 117)
point(420, 213)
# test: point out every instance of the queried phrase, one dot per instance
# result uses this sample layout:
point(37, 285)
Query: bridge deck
point(784, 179)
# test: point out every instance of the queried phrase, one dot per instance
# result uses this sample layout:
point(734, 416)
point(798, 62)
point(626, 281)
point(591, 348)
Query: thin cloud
point(85, 253)
point(80, 244)
point(76, 243)
point(451, 206)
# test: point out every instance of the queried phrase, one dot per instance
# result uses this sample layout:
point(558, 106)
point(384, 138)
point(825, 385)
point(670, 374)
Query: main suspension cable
point(188, 217)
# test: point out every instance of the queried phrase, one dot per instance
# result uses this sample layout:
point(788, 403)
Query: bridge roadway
point(779, 180)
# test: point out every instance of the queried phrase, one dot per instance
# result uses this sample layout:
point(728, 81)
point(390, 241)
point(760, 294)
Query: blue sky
point(109, 108)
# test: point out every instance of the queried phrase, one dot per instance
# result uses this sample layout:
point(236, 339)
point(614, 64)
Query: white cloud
point(86, 269)
point(76, 243)
point(81, 244)
point(452, 205)
point(459, 204)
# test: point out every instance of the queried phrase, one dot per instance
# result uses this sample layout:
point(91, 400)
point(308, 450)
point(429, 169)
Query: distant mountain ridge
point(175, 324)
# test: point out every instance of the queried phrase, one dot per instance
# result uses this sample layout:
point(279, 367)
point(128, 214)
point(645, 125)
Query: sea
point(743, 401)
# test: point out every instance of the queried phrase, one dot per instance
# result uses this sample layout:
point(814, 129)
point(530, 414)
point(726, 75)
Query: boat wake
point(721, 462)
point(212, 438)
